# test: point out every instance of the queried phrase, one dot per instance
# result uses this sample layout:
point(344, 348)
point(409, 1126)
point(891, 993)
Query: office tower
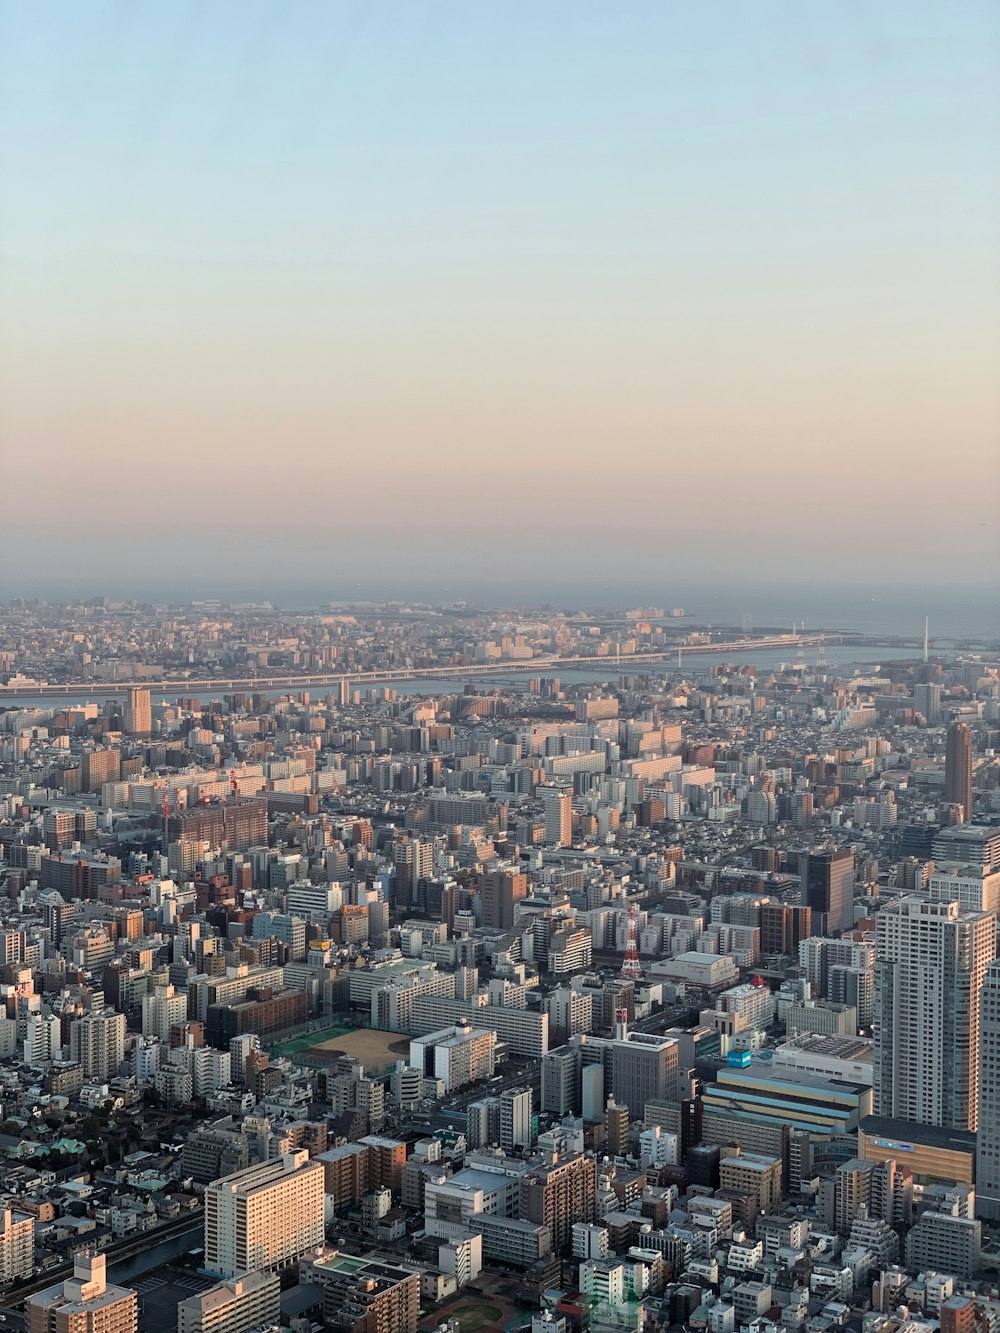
point(501, 891)
point(644, 1068)
point(703, 1165)
point(988, 1138)
point(558, 805)
point(967, 845)
point(97, 1042)
point(561, 1068)
point(828, 889)
point(927, 701)
point(783, 927)
point(558, 1194)
point(250, 1301)
point(958, 768)
point(264, 1217)
point(930, 963)
point(84, 1303)
point(17, 1245)
point(515, 1119)
point(138, 714)
point(413, 860)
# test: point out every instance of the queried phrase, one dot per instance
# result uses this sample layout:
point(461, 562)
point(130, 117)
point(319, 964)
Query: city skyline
point(445, 292)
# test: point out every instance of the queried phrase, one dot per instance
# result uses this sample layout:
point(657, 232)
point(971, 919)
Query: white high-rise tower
point(930, 963)
point(988, 1136)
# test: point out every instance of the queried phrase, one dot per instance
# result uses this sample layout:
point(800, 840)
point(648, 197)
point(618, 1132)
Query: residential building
point(248, 1301)
point(84, 1303)
point(264, 1217)
point(930, 966)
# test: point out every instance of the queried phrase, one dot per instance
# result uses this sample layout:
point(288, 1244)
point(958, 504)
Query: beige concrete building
point(17, 1245)
point(247, 1301)
point(753, 1173)
point(264, 1217)
point(84, 1303)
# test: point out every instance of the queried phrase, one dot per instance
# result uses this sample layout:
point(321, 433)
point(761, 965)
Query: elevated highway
point(175, 685)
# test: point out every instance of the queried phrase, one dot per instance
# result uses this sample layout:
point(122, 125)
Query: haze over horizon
point(374, 297)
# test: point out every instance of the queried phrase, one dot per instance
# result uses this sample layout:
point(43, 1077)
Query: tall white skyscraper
point(931, 961)
point(988, 1136)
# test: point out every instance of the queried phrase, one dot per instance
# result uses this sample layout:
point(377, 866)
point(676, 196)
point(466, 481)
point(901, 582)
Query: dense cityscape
point(383, 967)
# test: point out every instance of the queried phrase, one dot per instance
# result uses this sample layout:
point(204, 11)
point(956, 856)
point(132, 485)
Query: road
point(186, 685)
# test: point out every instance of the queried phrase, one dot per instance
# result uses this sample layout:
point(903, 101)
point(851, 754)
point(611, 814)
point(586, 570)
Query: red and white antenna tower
point(631, 967)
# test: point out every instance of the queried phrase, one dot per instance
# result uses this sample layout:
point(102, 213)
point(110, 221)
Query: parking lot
point(161, 1292)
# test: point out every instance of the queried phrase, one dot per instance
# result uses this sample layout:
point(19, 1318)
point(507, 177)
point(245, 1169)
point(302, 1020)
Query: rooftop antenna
point(631, 967)
point(926, 626)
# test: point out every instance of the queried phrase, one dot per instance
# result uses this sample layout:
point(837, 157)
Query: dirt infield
point(375, 1050)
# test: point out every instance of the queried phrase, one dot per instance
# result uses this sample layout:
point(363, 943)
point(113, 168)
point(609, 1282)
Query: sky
point(361, 297)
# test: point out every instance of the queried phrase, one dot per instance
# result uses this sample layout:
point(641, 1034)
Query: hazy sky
point(531, 292)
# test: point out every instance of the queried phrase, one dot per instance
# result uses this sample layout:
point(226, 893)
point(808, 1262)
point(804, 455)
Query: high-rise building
point(265, 1216)
point(988, 1137)
point(249, 1301)
point(499, 894)
point(931, 961)
point(644, 1068)
point(958, 768)
point(783, 927)
point(616, 1120)
point(17, 1245)
point(234, 825)
point(828, 889)
point(97, 1042)
point(138, 713)
point(162, 1010)
point(927, 700)
point(84, 1303)
point(457, 1056)
point(753, 1173)
point(368, 1295)
point(515, 1119)
point(558, 1194)
point(558, 806)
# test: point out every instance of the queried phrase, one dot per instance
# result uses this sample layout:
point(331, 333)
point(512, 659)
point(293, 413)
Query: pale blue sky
point(439, 281)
